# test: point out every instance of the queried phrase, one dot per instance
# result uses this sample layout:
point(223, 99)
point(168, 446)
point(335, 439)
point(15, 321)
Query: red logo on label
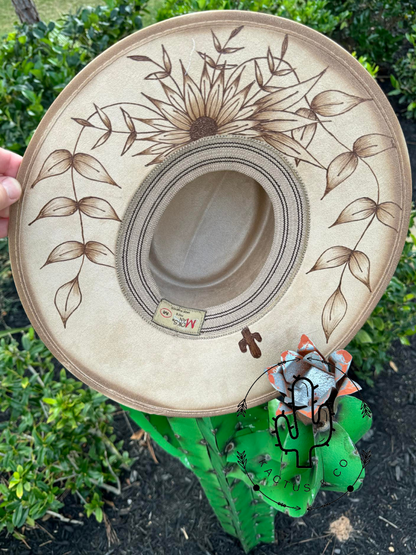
point(166, 313)
point(192, 322)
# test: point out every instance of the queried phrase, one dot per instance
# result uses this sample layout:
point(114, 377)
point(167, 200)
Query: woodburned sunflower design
point(251, 98)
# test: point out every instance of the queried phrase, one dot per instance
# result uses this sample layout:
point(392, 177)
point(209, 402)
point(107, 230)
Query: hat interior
point(212, 240)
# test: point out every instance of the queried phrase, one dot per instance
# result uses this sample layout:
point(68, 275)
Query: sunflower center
point(203, 127)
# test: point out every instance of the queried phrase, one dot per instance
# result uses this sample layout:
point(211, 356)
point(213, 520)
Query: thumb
point(10, 191)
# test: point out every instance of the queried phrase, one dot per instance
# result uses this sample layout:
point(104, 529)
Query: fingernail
point(12, 187)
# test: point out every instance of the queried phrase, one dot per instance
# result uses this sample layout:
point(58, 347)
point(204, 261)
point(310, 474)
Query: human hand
point(10, 189)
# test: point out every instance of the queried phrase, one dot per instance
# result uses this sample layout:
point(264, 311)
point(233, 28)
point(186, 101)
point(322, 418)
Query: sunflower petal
point(232, 107)
point(238, 127)
point(215, 97)
point(158, 123)
point(231, 90)
point(175, 137)
point(158, 148)
point(174, 98)
point(281, 121)
point(173, 116)
point(194, 103)
point(205, 82)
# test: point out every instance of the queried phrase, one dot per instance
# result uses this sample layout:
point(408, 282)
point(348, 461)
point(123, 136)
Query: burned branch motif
point(68, 297)
point(387, 213)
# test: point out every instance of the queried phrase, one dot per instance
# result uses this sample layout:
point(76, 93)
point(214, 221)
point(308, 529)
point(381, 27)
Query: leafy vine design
point(68, 297)
point(216, 102)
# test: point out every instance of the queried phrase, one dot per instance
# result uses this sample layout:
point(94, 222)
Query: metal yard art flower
point(329, 378)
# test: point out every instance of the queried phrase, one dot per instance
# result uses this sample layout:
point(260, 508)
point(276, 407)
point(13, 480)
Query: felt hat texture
point(199, 196)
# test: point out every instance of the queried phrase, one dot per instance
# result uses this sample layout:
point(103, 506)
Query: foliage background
point(46, 416)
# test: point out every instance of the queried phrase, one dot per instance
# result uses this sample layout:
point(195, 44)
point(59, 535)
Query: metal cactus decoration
point(277, 456)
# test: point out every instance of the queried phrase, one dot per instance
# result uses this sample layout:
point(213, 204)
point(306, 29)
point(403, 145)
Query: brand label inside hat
point(179, 318)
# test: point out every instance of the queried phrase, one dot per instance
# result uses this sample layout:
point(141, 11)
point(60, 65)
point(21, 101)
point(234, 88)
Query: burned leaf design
point(235, 32)
point(107, 123)
point(290, 147)
point(259, 75)
point(331, 258)
point(140, 58)
point(333, 312)
point(305, 134)
point(359, 265)
point(217, 43)
point(360, 209)
point(97, 208)
point(57, 207)
point(388, 213)
point(270, 61)
point(132, 136)
point(208, 60)
point(281, 121)
point(99, 254)
point(166, 61)
point(65, 251)
point(285, 44)
point(58, 162)
point(67, 299)
point(90, 168)
point(287, 97)
point(83, 122)
point(335, 103)
point(340, 169)
point(370, 145)
point(157, 76)
point(103, 117)
point(103, 139)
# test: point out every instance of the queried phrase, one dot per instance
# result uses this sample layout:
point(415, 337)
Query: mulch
point(163, 511)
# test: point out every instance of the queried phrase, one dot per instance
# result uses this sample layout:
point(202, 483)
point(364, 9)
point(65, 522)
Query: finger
point(10, 191)
point(9, 162)
point(4, 225)
point(5, 213)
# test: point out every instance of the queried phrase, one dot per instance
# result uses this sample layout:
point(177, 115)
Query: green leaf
point(19, 490)
point(99, 514)
point(49, 401)
point(363, 337)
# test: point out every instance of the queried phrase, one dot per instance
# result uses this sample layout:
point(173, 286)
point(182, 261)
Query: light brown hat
point(198, 197)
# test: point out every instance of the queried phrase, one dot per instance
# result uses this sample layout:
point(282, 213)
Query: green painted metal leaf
point(353, 416)
point(341, 462)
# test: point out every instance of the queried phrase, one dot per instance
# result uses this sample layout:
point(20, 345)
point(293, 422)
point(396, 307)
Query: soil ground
point(163, 510)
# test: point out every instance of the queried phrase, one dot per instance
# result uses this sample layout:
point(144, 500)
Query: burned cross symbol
point(249, 340)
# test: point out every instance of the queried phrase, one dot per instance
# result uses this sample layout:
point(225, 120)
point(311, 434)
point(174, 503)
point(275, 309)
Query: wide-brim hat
point(197, 198)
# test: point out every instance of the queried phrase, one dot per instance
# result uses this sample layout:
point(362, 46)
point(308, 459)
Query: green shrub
point(393, 318)
point(314, 13)
point(404, 77)
point(55, 436)
point(38, 61)
point(375, 28)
